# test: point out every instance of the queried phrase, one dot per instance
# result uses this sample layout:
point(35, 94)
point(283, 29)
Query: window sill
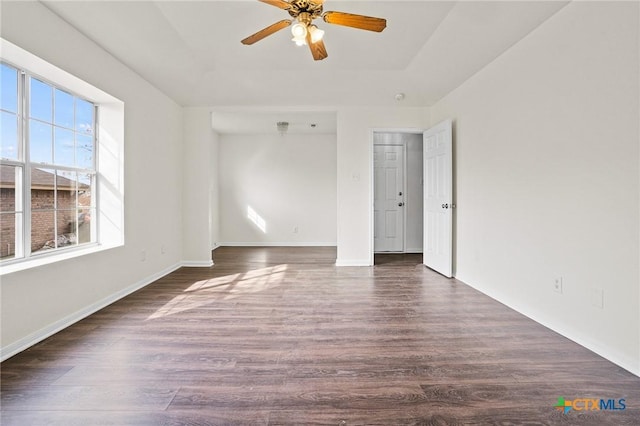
point(47, 259)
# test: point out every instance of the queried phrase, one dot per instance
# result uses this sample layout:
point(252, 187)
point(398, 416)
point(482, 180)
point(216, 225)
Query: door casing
point(416, 131)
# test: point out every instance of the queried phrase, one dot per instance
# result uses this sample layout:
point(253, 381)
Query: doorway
point(398, 192)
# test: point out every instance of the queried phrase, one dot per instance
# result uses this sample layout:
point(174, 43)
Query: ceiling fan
point(304, 31)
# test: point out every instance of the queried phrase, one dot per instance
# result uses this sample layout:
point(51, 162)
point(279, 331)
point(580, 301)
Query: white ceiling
point(191, 50)
point(256, 122)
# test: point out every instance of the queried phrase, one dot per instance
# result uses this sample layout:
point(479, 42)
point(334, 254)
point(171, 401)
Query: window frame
point(19, 183)
point(23, 236)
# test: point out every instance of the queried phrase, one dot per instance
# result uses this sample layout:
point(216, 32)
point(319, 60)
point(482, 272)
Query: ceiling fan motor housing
point(302, 8)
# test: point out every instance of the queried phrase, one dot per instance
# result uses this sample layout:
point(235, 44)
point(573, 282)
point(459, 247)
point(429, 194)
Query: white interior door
point(388, 200)
point(438, 198)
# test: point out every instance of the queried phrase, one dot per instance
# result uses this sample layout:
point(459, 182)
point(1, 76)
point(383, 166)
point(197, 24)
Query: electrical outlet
point(597, 297)
point(143, 255)
point(557, 285)
point(295, 229)
point(163, 249)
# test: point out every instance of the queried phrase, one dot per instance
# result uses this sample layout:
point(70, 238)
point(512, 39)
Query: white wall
point(547, 154)
point(289, 181)
point(415, 193)
point(199, 140)
point(355, 174)
point(214, 188)
point(38, 301)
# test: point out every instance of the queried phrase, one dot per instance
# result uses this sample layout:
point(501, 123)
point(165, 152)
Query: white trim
point(617, 358)
point(353, 262)
point(57, 256)
point(197, 263)
point(405, 185)
point(278, 244)
point(37, 336)
point(413, 130)
point(371, 199)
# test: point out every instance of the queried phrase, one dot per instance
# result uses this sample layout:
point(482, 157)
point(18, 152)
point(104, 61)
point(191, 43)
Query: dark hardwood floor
point(282, 336)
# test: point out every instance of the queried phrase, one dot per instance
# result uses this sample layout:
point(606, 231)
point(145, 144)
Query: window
point(61, 163)
point(48, 166)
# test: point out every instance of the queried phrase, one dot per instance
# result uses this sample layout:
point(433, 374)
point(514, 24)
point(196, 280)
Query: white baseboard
point(279, 244)
point(197, 263)
point(37, 336)
point(416, 251)
point(352, 262)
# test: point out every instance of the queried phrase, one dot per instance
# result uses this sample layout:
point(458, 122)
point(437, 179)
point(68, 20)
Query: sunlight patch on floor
point(205, 292)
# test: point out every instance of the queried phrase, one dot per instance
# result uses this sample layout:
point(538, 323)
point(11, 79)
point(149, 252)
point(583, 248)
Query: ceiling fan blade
point(267, 31)
point(318, 50)
point(277, 3)
point(355, 21)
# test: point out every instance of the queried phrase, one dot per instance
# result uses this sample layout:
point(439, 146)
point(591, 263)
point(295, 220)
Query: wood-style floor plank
point(281, 336)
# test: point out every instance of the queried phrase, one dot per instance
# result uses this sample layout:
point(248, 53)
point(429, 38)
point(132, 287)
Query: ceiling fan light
point(316, 33)
point(299, 41)
point(299, 30)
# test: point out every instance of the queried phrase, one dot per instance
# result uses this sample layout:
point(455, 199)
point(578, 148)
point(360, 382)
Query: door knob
point(400, 204)
point(445, 206)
